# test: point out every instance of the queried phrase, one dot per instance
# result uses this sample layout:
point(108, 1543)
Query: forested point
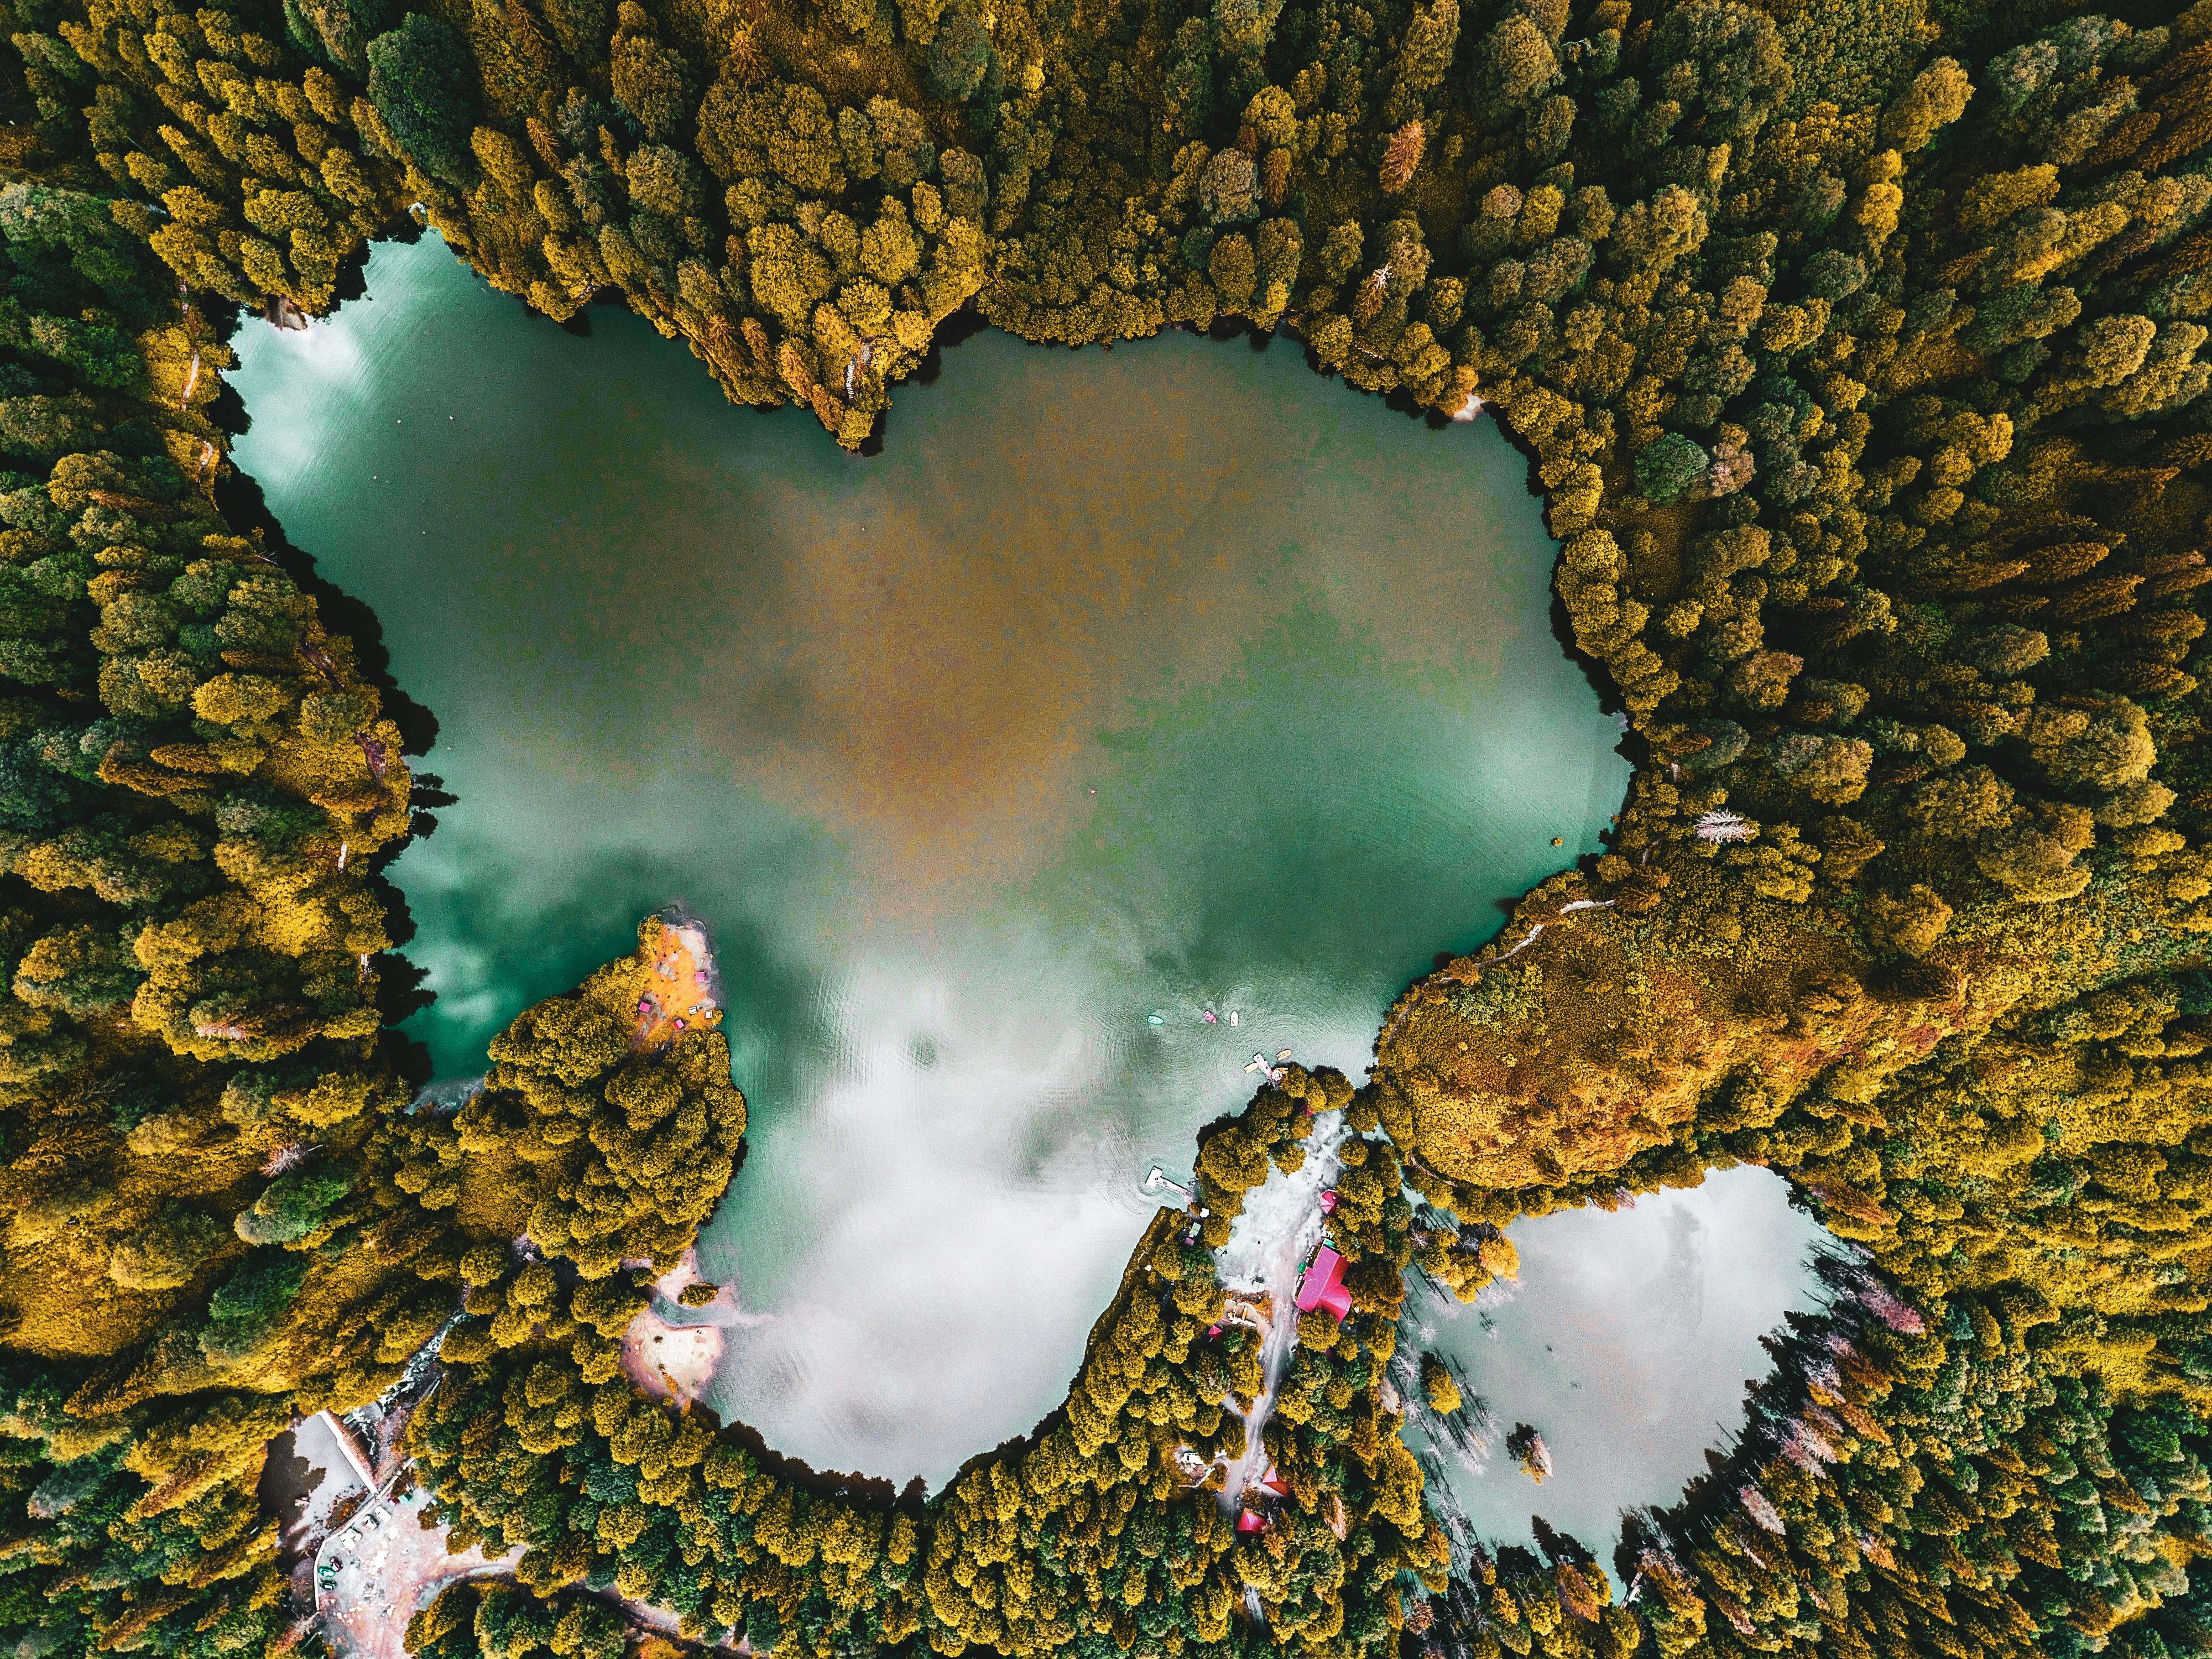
point(1858, 346)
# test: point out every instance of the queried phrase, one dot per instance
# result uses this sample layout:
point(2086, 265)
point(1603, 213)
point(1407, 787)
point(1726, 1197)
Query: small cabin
point(1323, 1284)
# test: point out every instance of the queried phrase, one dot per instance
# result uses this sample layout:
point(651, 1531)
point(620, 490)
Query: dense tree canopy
point(1859, 348)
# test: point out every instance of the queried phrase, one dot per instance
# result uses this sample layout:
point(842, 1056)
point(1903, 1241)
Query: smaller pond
point(1627, 1344)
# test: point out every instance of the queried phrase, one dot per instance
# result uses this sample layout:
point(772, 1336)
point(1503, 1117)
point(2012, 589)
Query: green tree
point(960, 57)
point(1669, 466)
point(424, 84)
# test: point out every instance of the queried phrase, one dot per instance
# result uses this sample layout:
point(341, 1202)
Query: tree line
point(1857, 347)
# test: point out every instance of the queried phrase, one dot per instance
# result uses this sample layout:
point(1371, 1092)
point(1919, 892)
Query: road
point(1268, 1244)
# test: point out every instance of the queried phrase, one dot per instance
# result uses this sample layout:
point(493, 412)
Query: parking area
point(378, 1569)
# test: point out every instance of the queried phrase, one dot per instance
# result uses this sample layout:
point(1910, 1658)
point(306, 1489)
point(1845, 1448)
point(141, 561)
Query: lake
point(1121, 687)
point(1627, 1343)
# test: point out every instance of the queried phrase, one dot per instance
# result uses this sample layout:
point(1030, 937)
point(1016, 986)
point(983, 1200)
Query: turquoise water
point(1121, 684)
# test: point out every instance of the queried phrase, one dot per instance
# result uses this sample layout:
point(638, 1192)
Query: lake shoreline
point(976, 756)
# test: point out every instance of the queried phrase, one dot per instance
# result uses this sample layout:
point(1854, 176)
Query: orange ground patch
point(677, 997)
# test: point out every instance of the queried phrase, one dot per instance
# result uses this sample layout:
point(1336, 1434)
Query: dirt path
point(1268, 1244)
point(387, 1566)
point(1281, 1283)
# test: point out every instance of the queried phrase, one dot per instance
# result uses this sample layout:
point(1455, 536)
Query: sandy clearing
point(386, 1573)
point(671, 1361)
point(682, 995)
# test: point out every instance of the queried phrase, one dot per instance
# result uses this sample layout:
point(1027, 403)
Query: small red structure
point(1329, 1202)
point(1251, 1521)
point(1323, 1284)
point(1273, 1482)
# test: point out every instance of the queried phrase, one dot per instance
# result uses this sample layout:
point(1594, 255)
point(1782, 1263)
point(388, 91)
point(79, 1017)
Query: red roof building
point(1323, 1284)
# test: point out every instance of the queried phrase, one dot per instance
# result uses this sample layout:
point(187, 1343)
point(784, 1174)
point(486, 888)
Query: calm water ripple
point(1159, 681)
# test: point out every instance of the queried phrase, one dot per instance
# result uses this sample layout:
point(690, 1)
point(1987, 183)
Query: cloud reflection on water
point(855, 712)
point(1627, 1342)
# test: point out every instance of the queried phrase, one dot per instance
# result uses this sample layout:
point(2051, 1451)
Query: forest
point(1857, 347)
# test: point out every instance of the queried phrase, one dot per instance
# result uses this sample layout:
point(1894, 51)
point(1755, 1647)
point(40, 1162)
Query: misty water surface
point(1145, 682)
point(1627, 1343)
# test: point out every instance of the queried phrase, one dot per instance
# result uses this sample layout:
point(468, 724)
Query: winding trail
point(193, 380)
point(1536, 931)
